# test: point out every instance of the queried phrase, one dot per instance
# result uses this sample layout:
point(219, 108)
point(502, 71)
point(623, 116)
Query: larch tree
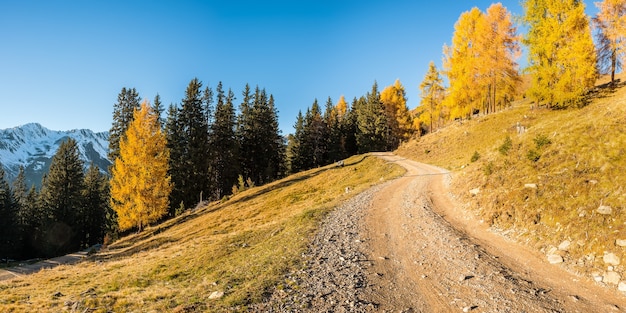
point(140, 183)
point(127, 101)
point(561, 53)
point(610, 23)
point(432, 92)
point(499, 48)
point(461, 65)
point(399, 119)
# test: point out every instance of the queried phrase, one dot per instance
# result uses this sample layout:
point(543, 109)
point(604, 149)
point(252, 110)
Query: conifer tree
point(296, 154)
point(332, 119)
point(174, 138)
point(399, 120)
point(372, 127)
point(611, 35)
point(432, 92)
point(95, 207)
point(127, 100)
point(140, 184)
point(62, 200)
point(158, 109)
point(9, 226)
point(560, 50)
point(224, 167)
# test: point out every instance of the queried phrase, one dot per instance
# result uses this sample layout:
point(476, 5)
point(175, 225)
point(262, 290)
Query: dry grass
point(575, 157)
point(242, 247)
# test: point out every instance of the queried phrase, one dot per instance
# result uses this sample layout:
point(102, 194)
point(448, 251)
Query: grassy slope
point(242, 246)
point(580, 169)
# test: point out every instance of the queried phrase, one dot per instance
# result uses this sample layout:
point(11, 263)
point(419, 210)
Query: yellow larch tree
point(140, 184)
point(432, 92)
point(461, 65)
point(398, 117)
point(610, 23)
point(561, 53)
point(341, 107)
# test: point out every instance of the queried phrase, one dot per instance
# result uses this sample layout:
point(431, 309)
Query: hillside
point(242, 247)
point(556, 185)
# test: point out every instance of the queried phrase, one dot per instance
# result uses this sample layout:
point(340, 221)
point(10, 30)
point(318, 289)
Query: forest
point(213, 144)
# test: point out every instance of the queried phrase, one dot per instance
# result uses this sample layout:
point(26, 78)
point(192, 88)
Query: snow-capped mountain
point(33, 147)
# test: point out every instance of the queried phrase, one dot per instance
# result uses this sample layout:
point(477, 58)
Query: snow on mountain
point(33, 146)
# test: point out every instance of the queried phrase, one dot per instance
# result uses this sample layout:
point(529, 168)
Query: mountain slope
point(555, 184)
point(33, 146)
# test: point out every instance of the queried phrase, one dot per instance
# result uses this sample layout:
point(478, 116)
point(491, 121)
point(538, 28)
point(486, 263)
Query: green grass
point(576, 158)
point(243, 246)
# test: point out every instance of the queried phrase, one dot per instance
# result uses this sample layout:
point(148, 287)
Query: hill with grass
point(553, 179)
point(221, 256)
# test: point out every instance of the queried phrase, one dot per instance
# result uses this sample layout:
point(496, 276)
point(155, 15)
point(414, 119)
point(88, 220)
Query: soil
point(408, 246)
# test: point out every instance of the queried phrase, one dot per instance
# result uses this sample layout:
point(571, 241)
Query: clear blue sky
point(63, 63)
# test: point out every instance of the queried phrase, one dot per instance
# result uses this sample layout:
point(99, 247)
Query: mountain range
point(33, 146)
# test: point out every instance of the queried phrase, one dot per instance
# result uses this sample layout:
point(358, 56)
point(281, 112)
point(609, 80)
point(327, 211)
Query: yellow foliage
point(432, 96)
point(140, 184)
point(342, 107)
point(611, 24)
point(394, 99)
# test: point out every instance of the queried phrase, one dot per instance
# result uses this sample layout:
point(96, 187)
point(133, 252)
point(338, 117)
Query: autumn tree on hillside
point(611, 35)
point(560, 50)
point(399, 119)
point(140, 184)
point(432, 92)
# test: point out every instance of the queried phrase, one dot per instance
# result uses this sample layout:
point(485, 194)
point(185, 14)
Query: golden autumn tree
point(561, 53)
point(140, 184)
point(432, 92)
point(498, 48)
point(611, 35)
point(398, 117)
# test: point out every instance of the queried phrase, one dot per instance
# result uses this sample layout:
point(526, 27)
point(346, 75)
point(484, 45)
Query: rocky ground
point(406, 246)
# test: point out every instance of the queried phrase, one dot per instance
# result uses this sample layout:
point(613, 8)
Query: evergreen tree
point(127, 101)
point(560, 50)
point(174, 137)
point(95, 207)
point(224, 166)
point(62, 199)
point(140, 185)
point(296, 154)
point(372, 127)
point(332, 120)
point(9, 226)
point(158, 109)
point(316, 136)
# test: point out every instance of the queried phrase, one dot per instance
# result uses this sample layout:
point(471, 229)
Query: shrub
point(475, 156)
point(533, 155)
point(541, 141)
point(506, 146)
point(488, 169)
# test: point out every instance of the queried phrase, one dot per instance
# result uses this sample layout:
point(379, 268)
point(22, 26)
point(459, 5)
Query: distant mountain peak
point(33, 146)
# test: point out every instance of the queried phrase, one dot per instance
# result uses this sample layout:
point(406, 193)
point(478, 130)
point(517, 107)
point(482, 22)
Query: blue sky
point(63, 63)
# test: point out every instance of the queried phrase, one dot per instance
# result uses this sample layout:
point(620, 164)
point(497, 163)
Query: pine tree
point(62, 200)
point(140, 184)
point(95, 207)
point(560, 50)
point(295, 148)
point(127, 101)
point(224, 165)
point(611, 35)
point(158, 109)
point(10, 243)
point(372, 126)
point(174, 138)
point(432, 92)
point(333, 124)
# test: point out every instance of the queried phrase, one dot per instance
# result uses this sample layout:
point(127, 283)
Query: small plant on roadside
point(475, 156)
point(542, 141)
point(506, 146)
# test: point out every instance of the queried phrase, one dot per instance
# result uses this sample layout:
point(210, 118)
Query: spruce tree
point(9, 227)
point(373, 130)
point(224, 166)
point(127, 101)
point(95, 207)
point(62, 199)
point(158, 109)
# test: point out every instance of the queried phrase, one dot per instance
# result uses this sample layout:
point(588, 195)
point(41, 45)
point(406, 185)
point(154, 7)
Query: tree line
point(481, 68)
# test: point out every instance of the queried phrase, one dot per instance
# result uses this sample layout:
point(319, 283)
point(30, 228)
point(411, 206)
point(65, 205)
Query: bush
point(506, 146)
point(533, 155)
point(542, 141)
point(475, 156)
point(488, 169)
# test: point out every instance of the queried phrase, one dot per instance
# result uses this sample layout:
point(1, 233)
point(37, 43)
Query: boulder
point(612, 278)
point(216, 295)
point(604, 210)
point(555, 259)
point(564, 246)
point(611, 258)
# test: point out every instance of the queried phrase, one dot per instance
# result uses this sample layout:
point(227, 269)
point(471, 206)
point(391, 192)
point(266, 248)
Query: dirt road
point(27, 269)
point(430, 256)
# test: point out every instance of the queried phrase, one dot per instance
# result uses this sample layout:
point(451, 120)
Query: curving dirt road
point(431, 256)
